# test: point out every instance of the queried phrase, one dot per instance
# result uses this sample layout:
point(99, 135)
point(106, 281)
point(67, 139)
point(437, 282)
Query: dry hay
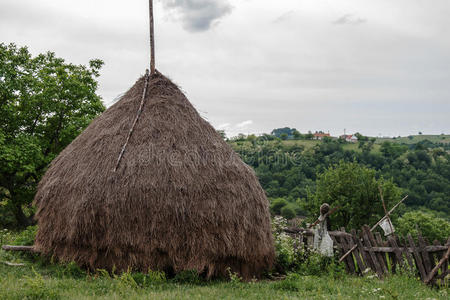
point(181, 198)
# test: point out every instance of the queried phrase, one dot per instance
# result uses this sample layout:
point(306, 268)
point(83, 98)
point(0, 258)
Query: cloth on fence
point(322, 240)
point(387, 226)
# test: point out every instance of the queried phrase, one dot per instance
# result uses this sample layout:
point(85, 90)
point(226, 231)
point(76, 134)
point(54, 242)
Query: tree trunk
point(21, 218)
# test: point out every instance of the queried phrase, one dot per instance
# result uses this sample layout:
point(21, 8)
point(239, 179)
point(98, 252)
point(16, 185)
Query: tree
point(430, 226)
point(222, 134)
point(354, 188)
point(277, 205)
point(44, 104)
point(297, 135)
point(288, 212)
point(284, 136)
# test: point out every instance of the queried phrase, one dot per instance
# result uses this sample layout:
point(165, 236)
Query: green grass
point(416, 139)
point(309, 144)
point(42, 280)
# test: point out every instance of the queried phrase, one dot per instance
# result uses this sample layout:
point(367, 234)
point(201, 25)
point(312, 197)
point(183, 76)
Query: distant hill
point(414, 139)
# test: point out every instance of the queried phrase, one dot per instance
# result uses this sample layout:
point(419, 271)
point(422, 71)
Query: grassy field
point(38, 279)
point(309, 144)
point(414, 139)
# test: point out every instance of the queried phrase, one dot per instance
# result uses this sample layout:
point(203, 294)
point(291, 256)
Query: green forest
point(298, 174)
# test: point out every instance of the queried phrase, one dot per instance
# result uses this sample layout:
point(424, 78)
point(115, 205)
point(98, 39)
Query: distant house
point(320, 135)
point(349, 138)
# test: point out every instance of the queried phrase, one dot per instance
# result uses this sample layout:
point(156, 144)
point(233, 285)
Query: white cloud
point(349, 19)
point(244, 124)
point(224, 126)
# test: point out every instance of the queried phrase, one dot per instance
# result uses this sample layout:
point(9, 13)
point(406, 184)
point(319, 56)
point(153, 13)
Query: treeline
point(288, 171)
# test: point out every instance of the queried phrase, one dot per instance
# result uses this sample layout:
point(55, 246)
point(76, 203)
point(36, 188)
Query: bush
point(35, 288)
point(429, 225)
point(73, 270)
point(313, 263)
point(290, 257)
point(284, 245)
point(188, 276)
point(277, 205)
point(288, 212)
point(26, 237)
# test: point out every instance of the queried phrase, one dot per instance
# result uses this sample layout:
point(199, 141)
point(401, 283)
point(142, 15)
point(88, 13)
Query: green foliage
point(285, 133)
point(73, 270)
point(234, 277)
point(313, 263)
point(36, 288)
point(292, 283)
point(156, 276)
point(288, 212)
point(45, 104)
point(355, 189)
point(284, 245)
point(26, 237)
point(430, 226)
point(277, 205)
point(188, 277)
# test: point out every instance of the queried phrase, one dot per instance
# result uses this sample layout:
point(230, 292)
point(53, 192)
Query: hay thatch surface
point(181, 198)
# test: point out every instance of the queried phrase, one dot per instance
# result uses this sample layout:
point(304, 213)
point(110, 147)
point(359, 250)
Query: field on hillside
point(309, 144)
point(40, 279)
point(414, 139)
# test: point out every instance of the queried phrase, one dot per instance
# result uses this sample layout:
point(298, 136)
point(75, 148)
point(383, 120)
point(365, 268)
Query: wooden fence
point(388, 255)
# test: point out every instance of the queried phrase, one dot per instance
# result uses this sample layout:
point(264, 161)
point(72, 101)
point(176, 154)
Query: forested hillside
point(288, 169)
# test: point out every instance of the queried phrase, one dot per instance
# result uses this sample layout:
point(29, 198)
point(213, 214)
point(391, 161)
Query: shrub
point(26, 237)
point(290, 283)
point(73, 270)
point(313, 263)
point(430, 226)
point(288, 212)
point(35, 288)
point(188, 276)
point(284, 245)
point(277, 205)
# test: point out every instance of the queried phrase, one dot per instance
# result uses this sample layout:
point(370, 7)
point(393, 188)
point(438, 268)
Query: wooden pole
point(385, 210)
point(389, 212)
point(436, 268)
point(372, 229)
point(152, 39)
point(18, 248)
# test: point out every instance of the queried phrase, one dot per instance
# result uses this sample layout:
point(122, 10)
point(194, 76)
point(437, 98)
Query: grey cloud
point(199, 15)
point(284, 17)
point(349, 19)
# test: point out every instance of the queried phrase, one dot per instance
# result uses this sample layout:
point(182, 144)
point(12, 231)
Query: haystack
point(180, 199)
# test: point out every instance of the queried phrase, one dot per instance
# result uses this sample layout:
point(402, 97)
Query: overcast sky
point(380, 67)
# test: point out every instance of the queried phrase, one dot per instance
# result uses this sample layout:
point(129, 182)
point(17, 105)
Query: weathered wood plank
point(364, 253)
point(417, 258)
point(425, 257)
point(405, 251)
point(433, 272)
point(398, 253)
point(381, 260)
point(344, 248)
point(18, 248)
point(368, 244)
point(427, 249)
point(380, 243)
point(356, 253)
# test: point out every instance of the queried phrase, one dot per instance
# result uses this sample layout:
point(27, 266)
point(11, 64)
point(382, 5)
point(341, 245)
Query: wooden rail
point(364, 250)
